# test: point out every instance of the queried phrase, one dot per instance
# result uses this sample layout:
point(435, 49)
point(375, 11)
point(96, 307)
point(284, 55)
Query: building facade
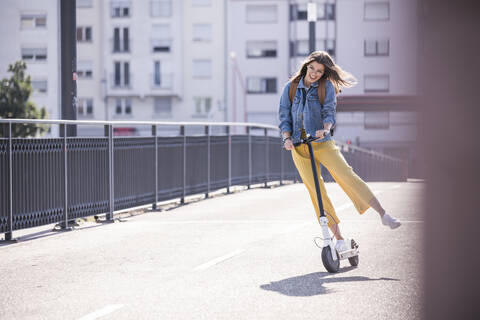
point(374, 40)
point(30, 33)
point(223, 60)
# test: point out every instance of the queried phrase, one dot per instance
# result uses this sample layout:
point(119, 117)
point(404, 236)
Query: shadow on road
point(312, 284)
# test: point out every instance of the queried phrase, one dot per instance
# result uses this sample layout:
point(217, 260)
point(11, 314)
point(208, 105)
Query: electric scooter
point(330, 257)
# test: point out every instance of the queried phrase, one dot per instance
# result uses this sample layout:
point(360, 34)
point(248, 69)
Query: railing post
point(9, 233)
point(229, 136)
point(267, 158)
point(249, 157)
point(154, 134)
point(207, 132)
point(184, 170)
point(64, 225)
point(111, 180)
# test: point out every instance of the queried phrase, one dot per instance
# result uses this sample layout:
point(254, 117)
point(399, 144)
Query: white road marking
point(102, 312)
point(218, 260)
point(395, 186)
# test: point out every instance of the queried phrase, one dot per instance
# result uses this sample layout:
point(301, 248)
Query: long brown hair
point(339, 78)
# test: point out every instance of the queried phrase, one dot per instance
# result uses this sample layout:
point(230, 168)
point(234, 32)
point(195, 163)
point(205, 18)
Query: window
point(162, 107)
point(161, 42)
point(203, 106)
point(325, 11)
point(40, 86)
point(377, 120)
point(121, 40)
point(120, 8)
point(31, 21)
point(34, 54)
point(300, 48)
point(202, 68)
point(200, 3)
point(161, 8)
point(261, 49)
point(121, 77)
point(202, 32)
point(261, 85)
point(156, 73)
point(377, 11)
point(84, 34)
point(261, 13)
point(376, 48)
point(377, 83)
point(84, 69)
point(118, 106)
point(84, 3)
point(85, 107)
point(126, 110)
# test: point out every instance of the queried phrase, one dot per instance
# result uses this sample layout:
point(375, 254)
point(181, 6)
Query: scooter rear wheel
point(354, 260)
point(328, 262)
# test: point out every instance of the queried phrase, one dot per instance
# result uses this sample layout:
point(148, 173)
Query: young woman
point(305, 115)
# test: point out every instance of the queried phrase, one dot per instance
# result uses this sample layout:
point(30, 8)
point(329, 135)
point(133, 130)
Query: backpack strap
point(293, 90)
point(321, 91)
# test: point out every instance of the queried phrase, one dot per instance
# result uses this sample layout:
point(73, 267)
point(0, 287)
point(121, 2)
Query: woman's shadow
point(312, 284)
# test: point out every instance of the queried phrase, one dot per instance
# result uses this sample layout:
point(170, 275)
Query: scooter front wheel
point(331, 265)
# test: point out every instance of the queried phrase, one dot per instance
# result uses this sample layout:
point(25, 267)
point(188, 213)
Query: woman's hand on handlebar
point(289, 144)
point(320, 134)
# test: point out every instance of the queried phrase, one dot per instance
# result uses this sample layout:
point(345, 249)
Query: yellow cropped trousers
point(328, 154)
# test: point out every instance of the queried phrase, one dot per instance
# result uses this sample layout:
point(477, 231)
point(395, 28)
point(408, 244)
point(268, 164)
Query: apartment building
point(30, 33)
point(374, 40)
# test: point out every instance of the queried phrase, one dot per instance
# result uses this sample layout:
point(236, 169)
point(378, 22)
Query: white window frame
point(262, 82)
point(376, 52)
point(258, 49)
point(378, 78)
point(372, 4)
point(121, 5)
point(39, 89)
point(202, 68)
point(41, 51)
point(202, 32)
point(34, 18)
point(82, 107)
point(84, 34)
point(164, 9)
point(252, 7)
point(202, 107)
point(83, 68)
point(157, 112)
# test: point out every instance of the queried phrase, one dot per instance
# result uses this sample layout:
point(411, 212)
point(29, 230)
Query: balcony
point(121, 46)
point(161, 81)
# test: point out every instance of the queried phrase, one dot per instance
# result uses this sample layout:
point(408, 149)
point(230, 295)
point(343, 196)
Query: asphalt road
point(248, 255)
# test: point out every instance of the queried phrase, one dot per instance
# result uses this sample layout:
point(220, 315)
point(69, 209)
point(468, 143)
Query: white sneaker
point(342, 245)
point(388, 220)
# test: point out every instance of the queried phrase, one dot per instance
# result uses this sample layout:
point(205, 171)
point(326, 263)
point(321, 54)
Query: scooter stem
point(315, 178)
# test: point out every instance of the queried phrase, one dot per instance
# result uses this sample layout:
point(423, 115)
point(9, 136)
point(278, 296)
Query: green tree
point(14, 95)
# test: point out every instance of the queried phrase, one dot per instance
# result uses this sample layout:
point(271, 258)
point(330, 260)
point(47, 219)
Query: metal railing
point(56, 180)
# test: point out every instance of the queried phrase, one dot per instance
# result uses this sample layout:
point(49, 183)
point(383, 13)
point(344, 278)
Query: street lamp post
point(236, 73)
point(311, 17)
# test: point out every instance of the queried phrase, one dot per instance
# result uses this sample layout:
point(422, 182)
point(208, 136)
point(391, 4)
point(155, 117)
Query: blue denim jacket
point(306, 111)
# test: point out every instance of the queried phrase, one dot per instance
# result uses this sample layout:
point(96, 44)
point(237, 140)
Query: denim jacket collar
point(302, 85)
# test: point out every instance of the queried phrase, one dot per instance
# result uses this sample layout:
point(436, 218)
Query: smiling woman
point(308, 108)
